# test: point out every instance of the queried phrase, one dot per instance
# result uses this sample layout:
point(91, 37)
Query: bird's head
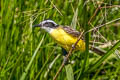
point(47, 25)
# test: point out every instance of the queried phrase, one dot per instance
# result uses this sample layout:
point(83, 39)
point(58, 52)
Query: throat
point(47, 29)
point(50, 31)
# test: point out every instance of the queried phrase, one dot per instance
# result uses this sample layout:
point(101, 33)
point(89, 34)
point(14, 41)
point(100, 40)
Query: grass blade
point(30, 63)
point(98, 63)
point(86, 54)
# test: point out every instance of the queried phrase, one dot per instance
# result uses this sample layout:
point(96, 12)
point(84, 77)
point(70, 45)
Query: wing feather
point(71, 31)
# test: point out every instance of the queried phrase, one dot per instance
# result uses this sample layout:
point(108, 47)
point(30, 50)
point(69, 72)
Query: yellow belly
point(66, 40)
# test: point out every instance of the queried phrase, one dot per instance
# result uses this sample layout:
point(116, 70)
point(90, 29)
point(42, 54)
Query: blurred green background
point(18, 41)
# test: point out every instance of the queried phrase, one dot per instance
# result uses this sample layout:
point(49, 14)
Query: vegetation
point(31, 54)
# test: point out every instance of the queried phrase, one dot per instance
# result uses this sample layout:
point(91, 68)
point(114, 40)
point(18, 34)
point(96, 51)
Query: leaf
point(69, 72)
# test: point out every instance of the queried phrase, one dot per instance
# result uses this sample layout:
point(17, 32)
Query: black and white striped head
point(47, 25)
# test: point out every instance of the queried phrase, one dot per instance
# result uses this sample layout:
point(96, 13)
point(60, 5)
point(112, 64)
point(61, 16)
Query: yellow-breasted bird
point(65, 36)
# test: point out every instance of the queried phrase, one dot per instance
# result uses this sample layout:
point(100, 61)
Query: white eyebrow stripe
point(48, 21)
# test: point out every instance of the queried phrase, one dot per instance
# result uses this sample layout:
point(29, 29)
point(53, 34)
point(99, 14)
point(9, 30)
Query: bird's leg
point(64, 52)
point(64, 55)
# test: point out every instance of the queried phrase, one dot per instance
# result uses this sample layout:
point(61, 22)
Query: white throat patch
point(49, 30)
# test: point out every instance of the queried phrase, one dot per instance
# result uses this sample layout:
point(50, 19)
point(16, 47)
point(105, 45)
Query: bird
point(65, 36)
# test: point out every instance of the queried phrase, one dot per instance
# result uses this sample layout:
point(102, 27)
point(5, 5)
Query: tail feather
point(97, 50)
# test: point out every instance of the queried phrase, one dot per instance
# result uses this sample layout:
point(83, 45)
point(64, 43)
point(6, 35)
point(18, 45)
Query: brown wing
point(71, 31)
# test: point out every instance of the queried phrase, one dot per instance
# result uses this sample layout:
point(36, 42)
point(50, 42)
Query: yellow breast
point(66, 40)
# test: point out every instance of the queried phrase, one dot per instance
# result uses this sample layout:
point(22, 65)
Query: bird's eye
point(49, 24)
point(46, 23)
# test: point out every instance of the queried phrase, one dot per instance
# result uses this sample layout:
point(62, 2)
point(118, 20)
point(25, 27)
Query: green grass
point(23, 54)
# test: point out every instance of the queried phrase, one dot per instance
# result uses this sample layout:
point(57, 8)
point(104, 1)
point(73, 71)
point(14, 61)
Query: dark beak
point(37, 25)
